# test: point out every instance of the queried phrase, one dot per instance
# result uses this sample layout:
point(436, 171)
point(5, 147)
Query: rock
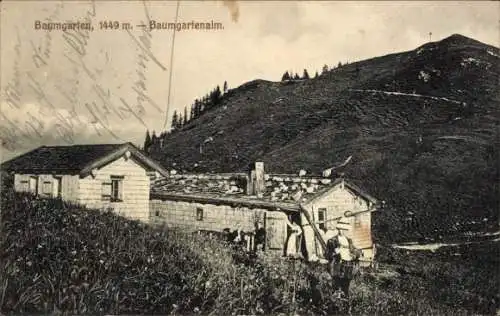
point(327, 172)
point(234, 188)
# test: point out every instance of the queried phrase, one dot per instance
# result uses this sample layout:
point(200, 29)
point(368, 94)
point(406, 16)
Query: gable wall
point(136, 185)
point(337, 202)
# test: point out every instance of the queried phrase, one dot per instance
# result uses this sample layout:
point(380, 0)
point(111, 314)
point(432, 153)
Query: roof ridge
point(5, 163)
point(70, 157)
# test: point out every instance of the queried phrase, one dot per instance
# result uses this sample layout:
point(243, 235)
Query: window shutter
point(33, 185)
point(47, 188)
point(25, 186)
point(106, 191)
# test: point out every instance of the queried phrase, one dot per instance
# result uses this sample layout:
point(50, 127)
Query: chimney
point(256, 185)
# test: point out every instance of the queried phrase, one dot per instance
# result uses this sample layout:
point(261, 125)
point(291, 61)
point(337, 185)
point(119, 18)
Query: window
point(199, 214)
point(116, 189)
point(112, 190)
point(33, 185)
point(322, 218)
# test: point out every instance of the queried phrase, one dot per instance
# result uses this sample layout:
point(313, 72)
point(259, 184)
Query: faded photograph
point(249, 158)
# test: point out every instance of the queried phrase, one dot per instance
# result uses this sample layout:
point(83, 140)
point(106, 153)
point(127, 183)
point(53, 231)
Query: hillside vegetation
point(57, 258)
point(421, 126)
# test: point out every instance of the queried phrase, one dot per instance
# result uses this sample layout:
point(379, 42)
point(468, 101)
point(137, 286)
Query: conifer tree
point(175, 121)
point(197, 108)
point(305, 75)
point(204, 103)
point(180, 122)
point(225, 86)
point(147, 142)
point(325, 69)
point(216, 96)
point(191, 115)
point(185, 121)
point(286, 76)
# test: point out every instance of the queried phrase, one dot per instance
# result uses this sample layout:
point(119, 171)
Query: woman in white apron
point(294, 240)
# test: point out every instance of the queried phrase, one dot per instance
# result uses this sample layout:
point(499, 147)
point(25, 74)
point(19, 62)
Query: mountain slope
point(422, 127)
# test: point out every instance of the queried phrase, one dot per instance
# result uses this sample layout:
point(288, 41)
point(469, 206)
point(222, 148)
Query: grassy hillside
point(430, 149)
point(58, 258)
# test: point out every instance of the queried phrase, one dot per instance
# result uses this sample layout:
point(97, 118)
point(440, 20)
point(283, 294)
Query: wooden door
point(56, 187)
point(275, 233)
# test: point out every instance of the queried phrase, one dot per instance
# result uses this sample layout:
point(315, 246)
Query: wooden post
point(315, 229)
point(259, 178)
point(313, 225)
point(248, 237)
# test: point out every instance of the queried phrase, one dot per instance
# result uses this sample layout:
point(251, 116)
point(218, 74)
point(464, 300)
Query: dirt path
point(464, 138)
point(415, 95)
point(434, 246)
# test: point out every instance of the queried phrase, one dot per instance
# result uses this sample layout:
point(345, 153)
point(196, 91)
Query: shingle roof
point(59, 158)
point(279, 189)
point(73, 159)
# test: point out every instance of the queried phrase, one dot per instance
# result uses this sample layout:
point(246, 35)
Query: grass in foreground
point(57, 258)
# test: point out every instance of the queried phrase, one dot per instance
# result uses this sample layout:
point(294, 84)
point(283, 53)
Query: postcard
point(249, 157)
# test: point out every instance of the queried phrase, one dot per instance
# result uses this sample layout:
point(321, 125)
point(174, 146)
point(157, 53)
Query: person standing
point(293, 248)
point(343, 258)
point(260, 237)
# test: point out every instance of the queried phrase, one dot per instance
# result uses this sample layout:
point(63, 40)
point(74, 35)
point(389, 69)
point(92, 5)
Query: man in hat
point(343, 257)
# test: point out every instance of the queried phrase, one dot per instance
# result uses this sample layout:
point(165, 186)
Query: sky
point(111, 83)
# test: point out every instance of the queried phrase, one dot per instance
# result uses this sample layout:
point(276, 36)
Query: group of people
point(250, 241)
point(341, 254)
